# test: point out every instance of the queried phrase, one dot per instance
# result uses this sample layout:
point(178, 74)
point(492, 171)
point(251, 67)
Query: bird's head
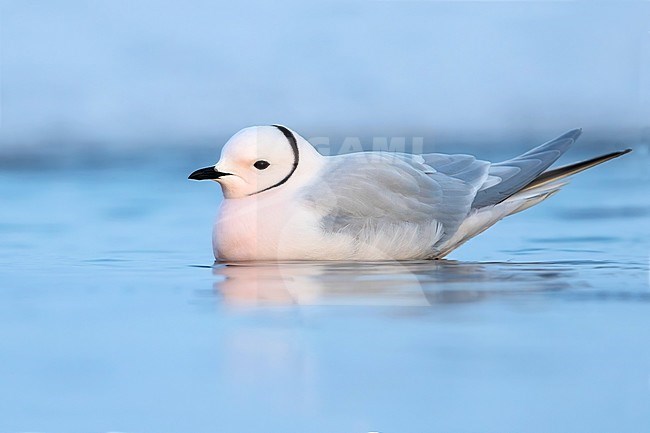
point(256, 160)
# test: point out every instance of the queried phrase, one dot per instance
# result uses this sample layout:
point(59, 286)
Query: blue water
point(113, 317)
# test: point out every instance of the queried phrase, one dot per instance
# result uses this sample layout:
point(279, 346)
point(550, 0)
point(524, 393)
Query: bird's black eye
point(261, 164)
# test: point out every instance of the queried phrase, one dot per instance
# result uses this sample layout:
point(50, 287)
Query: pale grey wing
point(462, 167)
point(507, 177)
point(368, 191)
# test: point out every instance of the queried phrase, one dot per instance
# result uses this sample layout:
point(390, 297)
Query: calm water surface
point(113, 317)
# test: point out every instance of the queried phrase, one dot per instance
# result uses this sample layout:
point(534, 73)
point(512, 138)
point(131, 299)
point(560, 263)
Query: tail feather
point(531, 197)
point(541, 188)
point(551, 181)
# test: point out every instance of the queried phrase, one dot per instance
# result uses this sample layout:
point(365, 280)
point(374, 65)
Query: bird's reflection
point(421, 283)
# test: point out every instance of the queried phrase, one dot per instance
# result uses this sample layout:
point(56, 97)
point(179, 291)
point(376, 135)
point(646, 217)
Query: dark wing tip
point(619, 153)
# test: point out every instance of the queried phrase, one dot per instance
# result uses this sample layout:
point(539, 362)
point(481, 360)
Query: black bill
point(207, 173)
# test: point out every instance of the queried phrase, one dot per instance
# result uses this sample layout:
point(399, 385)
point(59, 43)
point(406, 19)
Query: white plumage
point(285, 201)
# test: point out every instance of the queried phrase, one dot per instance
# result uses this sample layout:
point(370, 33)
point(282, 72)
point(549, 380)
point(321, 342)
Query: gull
point(285, 201)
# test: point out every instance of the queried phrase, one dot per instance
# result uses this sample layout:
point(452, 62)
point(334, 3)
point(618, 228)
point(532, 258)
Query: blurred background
point(121, 76)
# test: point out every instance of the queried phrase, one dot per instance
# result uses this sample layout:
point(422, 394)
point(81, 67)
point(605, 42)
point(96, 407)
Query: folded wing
point(372, 191)
point(508, 177)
